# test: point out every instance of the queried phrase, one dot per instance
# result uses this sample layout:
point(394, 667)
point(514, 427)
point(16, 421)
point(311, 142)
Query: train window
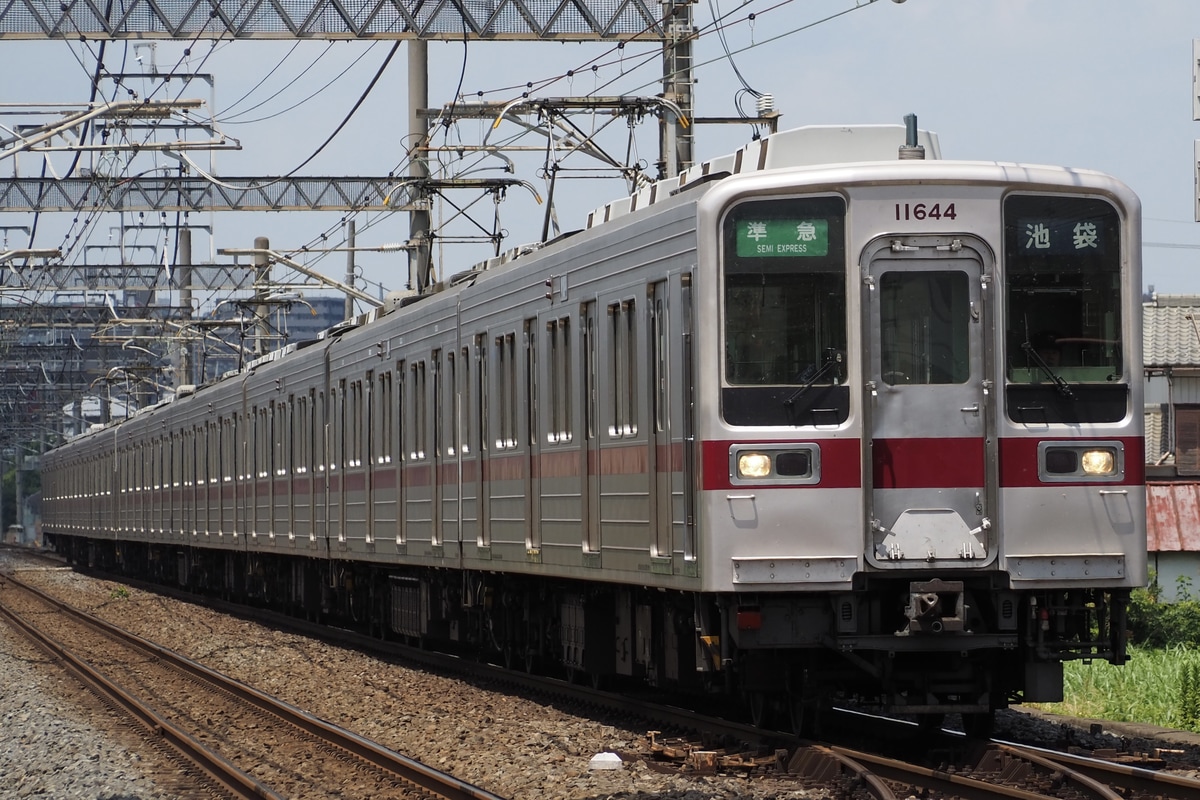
point(369, 414)
point(924, 321)
point(320, 431)
point(187, 457)
point(420, 403)
point(160, 470)
point(784, 312)
point(588, 343)
point(351, 407)
point(531, 380)
point(784, 289)
point(1063, 348)
point(447, 434)
point(266, 447)
point(623, 368)
point(506, 378)
point(308, 432)
point(1063, 259)
point(226, 468)
point(464, 412)
point(387, 418)
point(354, 435)
point(559, 389)
point(341, 416)
point(300, 431)
point(658, 358)
point(401, 409)
point(286, 423)
point(481, 390)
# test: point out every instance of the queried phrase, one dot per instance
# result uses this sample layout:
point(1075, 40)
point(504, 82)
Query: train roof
point(812, 145)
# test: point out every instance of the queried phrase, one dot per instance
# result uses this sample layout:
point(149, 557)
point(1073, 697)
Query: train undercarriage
point(923, 648)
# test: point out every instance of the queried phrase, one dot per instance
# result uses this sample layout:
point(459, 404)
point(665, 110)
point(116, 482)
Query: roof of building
point(1171, 330)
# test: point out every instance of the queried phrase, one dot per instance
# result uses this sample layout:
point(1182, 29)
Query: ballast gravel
point(53, 748)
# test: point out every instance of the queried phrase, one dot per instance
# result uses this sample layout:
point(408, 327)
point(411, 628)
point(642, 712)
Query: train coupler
point(935, 606)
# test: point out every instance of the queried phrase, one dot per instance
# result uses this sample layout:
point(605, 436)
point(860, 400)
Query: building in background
point(1171, 347)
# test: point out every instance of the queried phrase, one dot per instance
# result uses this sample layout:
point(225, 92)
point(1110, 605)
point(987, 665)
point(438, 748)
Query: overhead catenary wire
point(234, 120)
point(279, 65)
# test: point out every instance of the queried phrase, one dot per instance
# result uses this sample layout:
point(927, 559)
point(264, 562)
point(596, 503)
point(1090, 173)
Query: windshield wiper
point(832, 360)
point(1059, 383)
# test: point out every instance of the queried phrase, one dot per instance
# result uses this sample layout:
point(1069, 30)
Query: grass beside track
point(1156, 687)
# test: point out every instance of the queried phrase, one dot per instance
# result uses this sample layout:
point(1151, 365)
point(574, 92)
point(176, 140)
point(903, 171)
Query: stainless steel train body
point(764, 428)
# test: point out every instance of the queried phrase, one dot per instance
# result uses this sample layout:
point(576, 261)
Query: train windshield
point(1063, 326)
point(784, 311)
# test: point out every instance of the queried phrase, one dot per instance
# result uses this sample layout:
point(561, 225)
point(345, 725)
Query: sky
point(1094, 84)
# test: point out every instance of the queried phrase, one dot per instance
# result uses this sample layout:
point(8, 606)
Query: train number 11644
point(910, 211)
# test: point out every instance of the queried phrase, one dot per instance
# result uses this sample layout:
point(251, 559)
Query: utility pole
point(1196, 116)
point(420, 256)
point(262, 279)
point(350, 230)
point(184, 273)
point(676, 142)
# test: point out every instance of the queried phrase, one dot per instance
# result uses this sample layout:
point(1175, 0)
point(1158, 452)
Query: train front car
point(921, 430)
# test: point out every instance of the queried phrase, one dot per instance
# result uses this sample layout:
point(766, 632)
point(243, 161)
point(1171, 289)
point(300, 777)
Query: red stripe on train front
point(927, 463)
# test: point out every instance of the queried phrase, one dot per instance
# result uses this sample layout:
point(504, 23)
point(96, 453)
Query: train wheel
point(806, 716)
point(761, 708)
point(979, 725)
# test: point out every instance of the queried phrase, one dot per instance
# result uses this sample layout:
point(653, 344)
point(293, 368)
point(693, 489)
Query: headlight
point(753, 465)
point(1098, 462)
point(1065, 461)
point(783, 463)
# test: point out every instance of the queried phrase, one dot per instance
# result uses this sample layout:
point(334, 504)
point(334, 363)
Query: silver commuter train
point(773, 429)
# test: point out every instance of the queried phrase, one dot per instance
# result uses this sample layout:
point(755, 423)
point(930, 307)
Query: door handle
point(971, 409)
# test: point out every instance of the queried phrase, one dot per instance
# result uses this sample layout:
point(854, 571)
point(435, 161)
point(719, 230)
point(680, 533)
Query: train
point(830, 416)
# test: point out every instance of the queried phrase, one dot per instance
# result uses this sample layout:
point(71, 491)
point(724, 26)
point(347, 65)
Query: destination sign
point(1051, 236)
point(782, 237)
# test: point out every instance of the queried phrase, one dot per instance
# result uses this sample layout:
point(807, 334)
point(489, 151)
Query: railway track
point(706, 746)
point(243, 740)
point(1007, 771)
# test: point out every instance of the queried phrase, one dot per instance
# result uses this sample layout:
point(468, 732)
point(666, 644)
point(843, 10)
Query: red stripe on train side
point(927, 463)
point(1019, 461)
point(559, 464)
point(505, 468)
point(418, 475)
point(841, 465)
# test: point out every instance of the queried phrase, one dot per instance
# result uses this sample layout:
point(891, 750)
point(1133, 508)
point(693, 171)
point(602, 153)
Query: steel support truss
point(562, 20)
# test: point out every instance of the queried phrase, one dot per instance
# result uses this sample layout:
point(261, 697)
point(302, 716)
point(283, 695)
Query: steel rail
point(210, 763)
point(822, 763)
point(1155, 784)
point(406, 769)
point(965, 787)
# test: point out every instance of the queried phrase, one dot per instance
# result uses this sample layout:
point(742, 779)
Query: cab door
point(929, 462)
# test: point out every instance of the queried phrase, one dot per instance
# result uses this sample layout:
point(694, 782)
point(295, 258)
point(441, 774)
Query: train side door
point(590, 456)
point(662, 468)
point(929, 460)
point(533, 419)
